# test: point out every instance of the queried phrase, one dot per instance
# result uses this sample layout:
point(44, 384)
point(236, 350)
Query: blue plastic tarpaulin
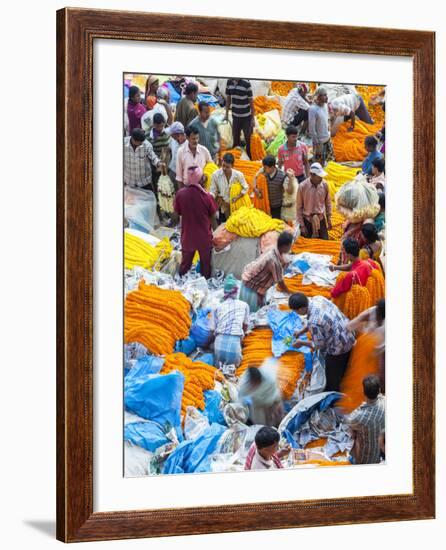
point(147, 435)
point(301, 412)
point(186, 346)
point(212, 400)
point(200, 330)
point(155, 397)
point(193, 455)
point(284, 324)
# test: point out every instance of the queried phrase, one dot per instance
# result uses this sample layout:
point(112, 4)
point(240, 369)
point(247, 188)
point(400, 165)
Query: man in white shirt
point(264, 453)
point(295, 108)
point(176, 131)
point(345, 107)
point(221, 182)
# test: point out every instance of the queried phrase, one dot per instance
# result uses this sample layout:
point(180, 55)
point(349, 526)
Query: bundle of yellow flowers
point(337, 222)
point(235, 191)
point(337, 175)
point(282, 87)
point(137, 252)
point(257, 348)
point(208, 170)
point(250, 222)
point(198, 377)
point(156, 318)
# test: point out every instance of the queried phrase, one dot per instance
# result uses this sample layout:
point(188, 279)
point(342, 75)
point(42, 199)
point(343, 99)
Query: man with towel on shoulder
point(313, 204)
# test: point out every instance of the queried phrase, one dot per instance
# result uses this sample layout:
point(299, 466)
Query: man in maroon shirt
point(358, 270)
point(197, 209)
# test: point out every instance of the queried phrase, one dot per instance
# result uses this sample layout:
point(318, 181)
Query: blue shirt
point(367, 164)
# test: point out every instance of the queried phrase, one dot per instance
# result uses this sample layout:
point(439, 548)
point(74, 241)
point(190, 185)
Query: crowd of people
point(180, 140)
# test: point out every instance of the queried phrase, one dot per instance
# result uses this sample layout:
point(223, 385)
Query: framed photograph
point(224, 360)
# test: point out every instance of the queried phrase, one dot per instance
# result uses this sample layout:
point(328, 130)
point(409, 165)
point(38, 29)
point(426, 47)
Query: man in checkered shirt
point(329, 334)
point(139, 157)
point(367, 422)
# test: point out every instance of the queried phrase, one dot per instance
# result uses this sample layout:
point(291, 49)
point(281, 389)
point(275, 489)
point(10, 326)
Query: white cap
point(317, 169)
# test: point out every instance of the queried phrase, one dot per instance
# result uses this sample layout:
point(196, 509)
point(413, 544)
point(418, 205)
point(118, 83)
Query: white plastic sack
point(272, 125)
point(150, 239)
point(140, 208)
point(225, 131)
point(136, 460)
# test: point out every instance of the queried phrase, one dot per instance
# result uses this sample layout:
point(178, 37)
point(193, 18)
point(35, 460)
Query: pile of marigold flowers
point(156, 318)
point(257, 348)
point(295, 285)
point(282, 87)
point(317, 246)
point(198, 377)
point(349, 146)
point(263, 104)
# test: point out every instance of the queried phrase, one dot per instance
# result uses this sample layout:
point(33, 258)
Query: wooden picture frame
point(77, 29)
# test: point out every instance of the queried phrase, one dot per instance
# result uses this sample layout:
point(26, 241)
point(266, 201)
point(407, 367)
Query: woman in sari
point(135, 109)
point(152, 85)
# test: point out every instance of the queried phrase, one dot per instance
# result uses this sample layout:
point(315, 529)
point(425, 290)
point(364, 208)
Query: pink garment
point(223, 237)
point(135, 112)
point(185, 159)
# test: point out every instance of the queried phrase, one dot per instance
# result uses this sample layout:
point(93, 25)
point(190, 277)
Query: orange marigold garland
point(282, 87)
point(349, 146)
point(156, 318)
point(257, 348)
point(363, 361)
point(263, 104)
point(198, 377)
point(317, 246)
point(257, 148)
point(295, 285)
point(263, 202)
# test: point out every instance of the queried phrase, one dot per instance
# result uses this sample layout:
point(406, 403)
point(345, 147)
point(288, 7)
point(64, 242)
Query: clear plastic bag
point(140, 209)
point(195, 423)
point(357, 200)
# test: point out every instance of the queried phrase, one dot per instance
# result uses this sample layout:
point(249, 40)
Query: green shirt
point(208, 135)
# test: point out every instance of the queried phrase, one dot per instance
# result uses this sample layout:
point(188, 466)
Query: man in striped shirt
point(239, 98)
point(207, 129)
point(277, 181)
point(264, 272)
point(159, 139)
point(367, 422)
